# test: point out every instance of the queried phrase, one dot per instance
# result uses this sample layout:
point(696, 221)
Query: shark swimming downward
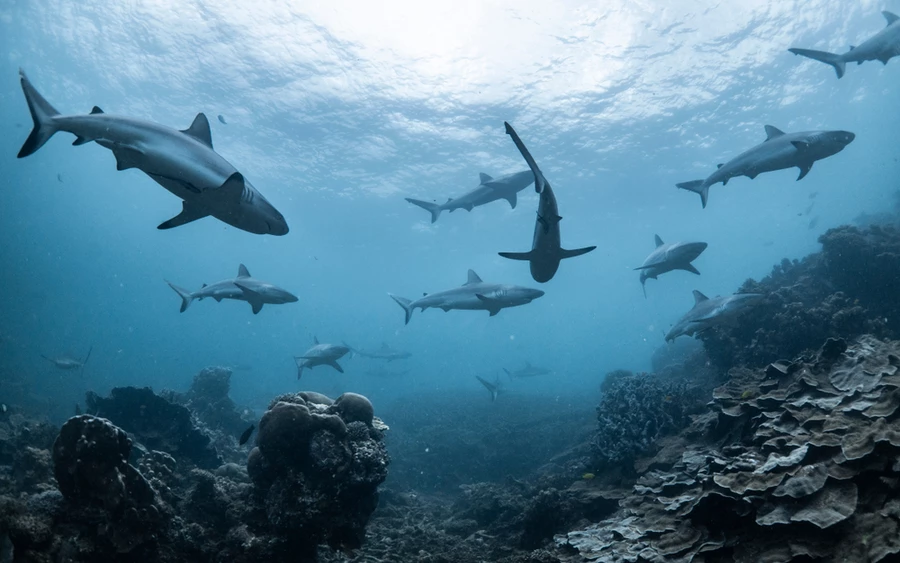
point(241, 288)
point(182, 162)
point(883, 46)
point(779, 151)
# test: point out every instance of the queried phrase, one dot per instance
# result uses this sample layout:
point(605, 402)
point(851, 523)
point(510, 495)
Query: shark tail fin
point(698, 187)
point(433, 208)
point(405, 303)
point(508, 374)
point(644, 286)
point(86, 358)
point(186, 296)
point(42, 113)
point(563, 253)
point(352, 353)
point(825, 57)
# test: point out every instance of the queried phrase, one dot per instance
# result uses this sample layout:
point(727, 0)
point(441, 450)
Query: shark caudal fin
point(42, 113)
point(186, 296)
point(563, 253)
point(492, 389)
point(433, 208)
point(405, 303)
point(824, 57)
point(698, 187)
point(300, 366)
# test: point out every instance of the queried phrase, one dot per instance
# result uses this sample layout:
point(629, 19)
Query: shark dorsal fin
point(473, 278)
point(316, 340)
point(96, 110)
point(199, 130)
point(659, 241)
point(484, 178)
point(243, 272)
point(202, 286)
point(890, 17)
point(772, 132)
point(699, 297)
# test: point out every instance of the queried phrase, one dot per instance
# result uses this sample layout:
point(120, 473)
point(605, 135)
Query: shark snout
point(277, 225)
point(532, 294)
point(288, 297)
point(846, 137)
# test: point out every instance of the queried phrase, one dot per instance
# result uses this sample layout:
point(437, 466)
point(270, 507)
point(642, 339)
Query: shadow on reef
point(98, 493)
point(850, 288)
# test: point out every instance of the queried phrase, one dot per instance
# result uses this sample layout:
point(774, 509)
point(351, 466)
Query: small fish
point(3, 408)
point(59, 177)
point(246, 435)
point(813, 223)
point(588, 476)
point(222, 120)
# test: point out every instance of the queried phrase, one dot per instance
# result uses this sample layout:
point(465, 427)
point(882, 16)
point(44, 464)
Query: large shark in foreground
point(883, 46)
point(668, 257)
point(321, 355)
point(241, 288)
point(474, 295)
point(183, 162)
point(490, 189)
point(708, 312)
point(383, 353)
point(779, 151)
point(546, 250)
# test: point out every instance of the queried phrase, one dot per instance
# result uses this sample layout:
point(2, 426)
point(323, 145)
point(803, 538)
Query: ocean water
point(338, 111)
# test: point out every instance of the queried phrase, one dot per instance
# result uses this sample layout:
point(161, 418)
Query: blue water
point(338, 111)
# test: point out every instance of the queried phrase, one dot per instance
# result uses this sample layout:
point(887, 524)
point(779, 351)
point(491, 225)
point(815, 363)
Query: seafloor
point(774, 440)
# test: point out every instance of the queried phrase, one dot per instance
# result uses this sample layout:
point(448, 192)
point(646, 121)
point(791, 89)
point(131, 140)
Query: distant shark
point(883, 46)
point(183, 162)
point(707, 313)
point(490, 189)
point(546, 251)
point(383, 353)
point(241, 288)
point(668, 257)
point(321, 355)
point(527, 371)
point(494, 388)
point(474, 295)
point(69, 363)
point(779, 151)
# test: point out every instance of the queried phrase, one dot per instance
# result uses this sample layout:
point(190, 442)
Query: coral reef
point(208, 400)
point(797, 461)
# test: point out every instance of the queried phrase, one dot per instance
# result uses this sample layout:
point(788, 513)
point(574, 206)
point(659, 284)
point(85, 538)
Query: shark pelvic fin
point(189, 212)
point(199, 130)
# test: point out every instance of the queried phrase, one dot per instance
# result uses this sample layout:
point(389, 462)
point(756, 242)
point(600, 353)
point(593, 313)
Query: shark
point(183, 162)
point(546, 250)
point(243, 287)
point(779, 151)
point(68, 363)
point(527, 371)
point(383, 353)
point(321, 355)
point(668, 257)
point(474, 295)
point(883, 46)
point(494, 388)
point(489, 189)
point(707, 313)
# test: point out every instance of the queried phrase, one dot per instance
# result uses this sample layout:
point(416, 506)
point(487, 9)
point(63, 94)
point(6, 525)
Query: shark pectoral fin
point(512, 199)
point(690, 268)
point(335, 365)
point(189, 212)
point(563, 253)
point(253, 298)
point(800, 145)
point(526, 256)
point(233, 187)
point(126, 157)
point(804, 170)
point(199, 130)
point(493, 305)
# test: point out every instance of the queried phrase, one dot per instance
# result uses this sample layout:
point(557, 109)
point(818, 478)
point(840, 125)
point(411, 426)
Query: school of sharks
point(185, 163)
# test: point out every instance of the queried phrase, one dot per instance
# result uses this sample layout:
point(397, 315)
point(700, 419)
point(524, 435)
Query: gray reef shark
point(490, 189)
point(241, 288)
point(474, 295)
point(527, 371)
point(668, 257)
point(494, 388)
point(321, 355)
point(383, 353)
point(779, 151)
point(883, 46)
point(708, 313)
point(183, 162)
point(69, 363)
point(546, 251)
